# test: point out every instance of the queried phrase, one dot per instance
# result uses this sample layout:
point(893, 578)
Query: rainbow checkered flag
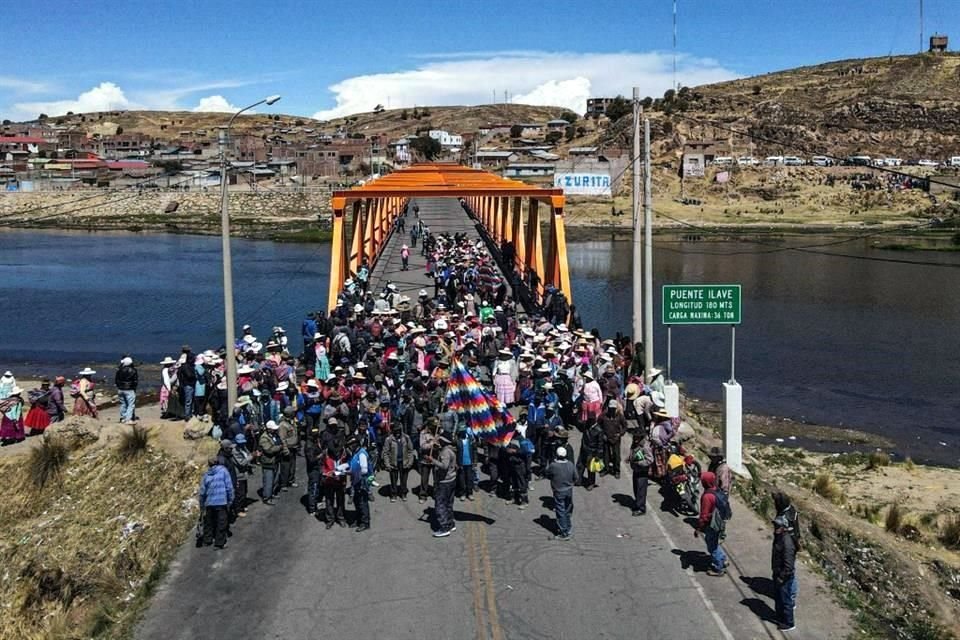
point(480, 410)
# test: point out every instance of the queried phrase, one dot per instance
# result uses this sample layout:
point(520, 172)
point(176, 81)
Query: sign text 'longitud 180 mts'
point(701, 304)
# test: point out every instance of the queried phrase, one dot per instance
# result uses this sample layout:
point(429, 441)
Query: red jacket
point(708, 500)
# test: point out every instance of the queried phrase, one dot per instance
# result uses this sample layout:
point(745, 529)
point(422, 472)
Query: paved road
point(500, 575)
point(442, 215)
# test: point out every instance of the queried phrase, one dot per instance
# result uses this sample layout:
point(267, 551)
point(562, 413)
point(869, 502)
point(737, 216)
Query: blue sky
point(330, 58)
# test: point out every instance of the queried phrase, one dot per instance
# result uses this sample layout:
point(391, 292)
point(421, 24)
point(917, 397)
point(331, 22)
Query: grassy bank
point(886, 536)
point(88, 523)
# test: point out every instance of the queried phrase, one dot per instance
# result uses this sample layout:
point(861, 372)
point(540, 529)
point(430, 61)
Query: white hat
point(313, 383)
point(423, 293)
point(561, 452)
point(561, 327)
point(283, 386)
point(7, 374)
point(245, 369)
point(358, 308)
point(126, 361)
point(318, 336)
point(361, 365)
point(86, 371)
point(246, 327)
point(16, 391)
point(654, 372)
point(588, 375)
point(168, 360)
point(273, 426)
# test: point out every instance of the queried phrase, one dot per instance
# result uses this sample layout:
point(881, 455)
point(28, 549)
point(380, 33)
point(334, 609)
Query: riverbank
point(884, 533)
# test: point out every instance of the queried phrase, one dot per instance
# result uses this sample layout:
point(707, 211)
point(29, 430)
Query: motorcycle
point(683, 474)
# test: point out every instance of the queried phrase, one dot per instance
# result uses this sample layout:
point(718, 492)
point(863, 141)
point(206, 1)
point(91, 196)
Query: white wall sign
point(586, 184)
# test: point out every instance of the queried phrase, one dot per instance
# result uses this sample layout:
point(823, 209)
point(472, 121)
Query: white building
point(401, 150)
point(446, 139)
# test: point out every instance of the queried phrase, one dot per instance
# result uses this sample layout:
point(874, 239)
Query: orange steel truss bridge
point(508, 211)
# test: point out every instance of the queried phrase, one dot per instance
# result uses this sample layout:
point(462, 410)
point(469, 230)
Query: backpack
point(721, 512)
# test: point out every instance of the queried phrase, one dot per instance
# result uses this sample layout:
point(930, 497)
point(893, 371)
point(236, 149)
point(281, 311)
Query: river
point(849, 341)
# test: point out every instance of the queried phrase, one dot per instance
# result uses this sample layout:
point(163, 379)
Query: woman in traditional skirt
point(505, 374)
point(592, 399)
point(38, 418)
point(84, 403)
point(168, 378)
point(322, 366)
point(11, 418)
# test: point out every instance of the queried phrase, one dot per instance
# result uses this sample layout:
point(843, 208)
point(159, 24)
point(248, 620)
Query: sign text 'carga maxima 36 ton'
point(701, 304)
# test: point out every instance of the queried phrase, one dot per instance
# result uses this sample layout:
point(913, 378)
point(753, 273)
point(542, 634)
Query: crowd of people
point(365, 402)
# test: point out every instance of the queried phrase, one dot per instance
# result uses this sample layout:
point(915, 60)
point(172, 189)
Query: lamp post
point(230, 338)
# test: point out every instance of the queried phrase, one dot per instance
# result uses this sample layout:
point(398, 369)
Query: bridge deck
point(441, 215)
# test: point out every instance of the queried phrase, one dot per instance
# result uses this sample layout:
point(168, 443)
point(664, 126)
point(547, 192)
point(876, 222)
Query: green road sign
point(701, 304)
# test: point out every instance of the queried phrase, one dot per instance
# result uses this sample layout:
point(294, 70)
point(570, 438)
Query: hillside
point(394, 123)
point(902, 106)
point(460, 119)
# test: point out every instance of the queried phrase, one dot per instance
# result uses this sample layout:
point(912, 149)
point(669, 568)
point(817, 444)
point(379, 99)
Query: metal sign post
point(706, 304)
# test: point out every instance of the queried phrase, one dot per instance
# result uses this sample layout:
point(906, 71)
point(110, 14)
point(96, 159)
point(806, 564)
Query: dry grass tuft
point(878, 459)
point(894, 518)
point(133, 443)
point(826, 485)
point(47, 461)
point(950, 532)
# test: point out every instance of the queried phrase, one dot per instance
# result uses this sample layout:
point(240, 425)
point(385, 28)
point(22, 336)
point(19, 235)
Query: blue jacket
point(308, 329)
point(358, 474)
point(216, 487)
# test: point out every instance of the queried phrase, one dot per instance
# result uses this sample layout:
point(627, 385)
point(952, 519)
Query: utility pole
point(637, 271)
point(921, 26)
point(647, 253)
point(675, 45)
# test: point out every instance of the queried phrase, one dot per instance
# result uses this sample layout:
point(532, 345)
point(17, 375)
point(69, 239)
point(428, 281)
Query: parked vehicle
point(747, 161)
point(955, 161)
point(821, 161)
point(683, 476)
point(892, 162)
point(773, 161)
point(858, 161)
point(723, 161)
point(928, 163)
point(792, 161)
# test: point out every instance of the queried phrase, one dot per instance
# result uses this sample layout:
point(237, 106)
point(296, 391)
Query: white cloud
point(19, 85)
point(217, 104)
point(106, 96)
point(546, 78)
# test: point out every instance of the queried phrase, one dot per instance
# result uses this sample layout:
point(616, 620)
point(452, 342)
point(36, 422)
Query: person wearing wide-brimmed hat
point(592, 398)
point(11, 417)
point(38, 419)
point(84, 403)
point(168, 380)
point(505, 375)
point(270, 447)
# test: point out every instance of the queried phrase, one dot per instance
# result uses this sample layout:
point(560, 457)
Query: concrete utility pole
point(637, 271)
point(647, 252)
point(230, 358)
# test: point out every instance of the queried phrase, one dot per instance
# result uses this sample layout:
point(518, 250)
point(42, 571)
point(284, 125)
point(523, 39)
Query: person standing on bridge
point(563, 476)
point(360, 482)
point(446, 465)
point(405, 257)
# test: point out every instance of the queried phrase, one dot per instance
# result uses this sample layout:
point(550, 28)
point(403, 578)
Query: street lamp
point(230, 345)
